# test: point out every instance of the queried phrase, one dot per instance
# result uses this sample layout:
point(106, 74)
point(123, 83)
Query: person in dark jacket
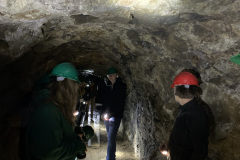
point(189, 136)
point(50, 132)
point(113, 103)
point(207, 109)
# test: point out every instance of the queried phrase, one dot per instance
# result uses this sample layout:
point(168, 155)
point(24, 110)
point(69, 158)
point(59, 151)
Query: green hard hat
point(111, 70)
point(88, 131)
point(66, 70)
point(235, 59)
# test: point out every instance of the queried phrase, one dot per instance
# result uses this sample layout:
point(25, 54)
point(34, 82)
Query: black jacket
point(113, 98)
point(189, 136)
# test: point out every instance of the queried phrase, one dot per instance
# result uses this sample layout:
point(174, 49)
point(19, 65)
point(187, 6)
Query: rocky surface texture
point(149, 42)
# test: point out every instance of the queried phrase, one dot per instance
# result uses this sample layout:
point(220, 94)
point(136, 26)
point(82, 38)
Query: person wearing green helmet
point(50, 132)
point(65, 70)
point(235, 59)
point(113, 102)
point(111, 70)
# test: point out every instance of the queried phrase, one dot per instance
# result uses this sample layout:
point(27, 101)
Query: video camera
point(87, 133)
point(79, 130)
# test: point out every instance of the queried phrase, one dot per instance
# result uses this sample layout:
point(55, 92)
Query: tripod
point(81, 107)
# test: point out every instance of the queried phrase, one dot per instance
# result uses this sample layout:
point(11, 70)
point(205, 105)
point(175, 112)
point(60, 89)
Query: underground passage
point(152, 46)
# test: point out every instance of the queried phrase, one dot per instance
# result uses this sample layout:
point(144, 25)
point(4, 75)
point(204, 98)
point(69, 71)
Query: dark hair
point(191, 92)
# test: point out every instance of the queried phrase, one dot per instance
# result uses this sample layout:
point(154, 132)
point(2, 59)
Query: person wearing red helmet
point(189, 136)
point(185, 78)
point(207, 109)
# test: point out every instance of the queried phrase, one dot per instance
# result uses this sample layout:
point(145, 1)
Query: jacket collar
point(187, 105)
point(117, 81)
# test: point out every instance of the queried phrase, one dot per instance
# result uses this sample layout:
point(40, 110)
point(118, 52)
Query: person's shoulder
point(121, 81)
point(48, 108)
point(197, 111)
point(201, 102)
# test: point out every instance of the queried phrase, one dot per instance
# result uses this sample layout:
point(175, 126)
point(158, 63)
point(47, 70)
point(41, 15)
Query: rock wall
point(148, 41)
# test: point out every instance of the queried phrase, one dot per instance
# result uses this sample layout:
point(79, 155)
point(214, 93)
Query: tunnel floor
point(97, 146)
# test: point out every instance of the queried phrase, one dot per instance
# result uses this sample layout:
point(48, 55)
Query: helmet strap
point(60, 78)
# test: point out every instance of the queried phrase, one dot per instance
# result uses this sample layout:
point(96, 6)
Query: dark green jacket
point(49, 135)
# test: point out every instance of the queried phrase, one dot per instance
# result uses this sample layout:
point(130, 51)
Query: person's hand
point(75, 113)
point(81, 136)
point(86, 147)
point(164, 149)
point(105, 117)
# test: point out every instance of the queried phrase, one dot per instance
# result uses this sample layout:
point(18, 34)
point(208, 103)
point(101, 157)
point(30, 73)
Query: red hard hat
point(185, 78)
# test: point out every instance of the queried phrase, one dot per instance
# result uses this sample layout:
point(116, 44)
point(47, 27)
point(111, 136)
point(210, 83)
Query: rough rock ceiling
point(148, 41)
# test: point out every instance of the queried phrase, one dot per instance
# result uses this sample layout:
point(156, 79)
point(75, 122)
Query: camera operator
point(50, 132)
point(89, 97)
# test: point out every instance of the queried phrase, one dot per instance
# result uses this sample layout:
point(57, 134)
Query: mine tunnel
point(148, 42)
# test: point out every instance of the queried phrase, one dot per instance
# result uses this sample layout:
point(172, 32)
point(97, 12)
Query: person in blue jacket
point(50, 132)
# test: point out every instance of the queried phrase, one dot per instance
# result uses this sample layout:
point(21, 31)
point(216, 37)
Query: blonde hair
point(64, 94)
